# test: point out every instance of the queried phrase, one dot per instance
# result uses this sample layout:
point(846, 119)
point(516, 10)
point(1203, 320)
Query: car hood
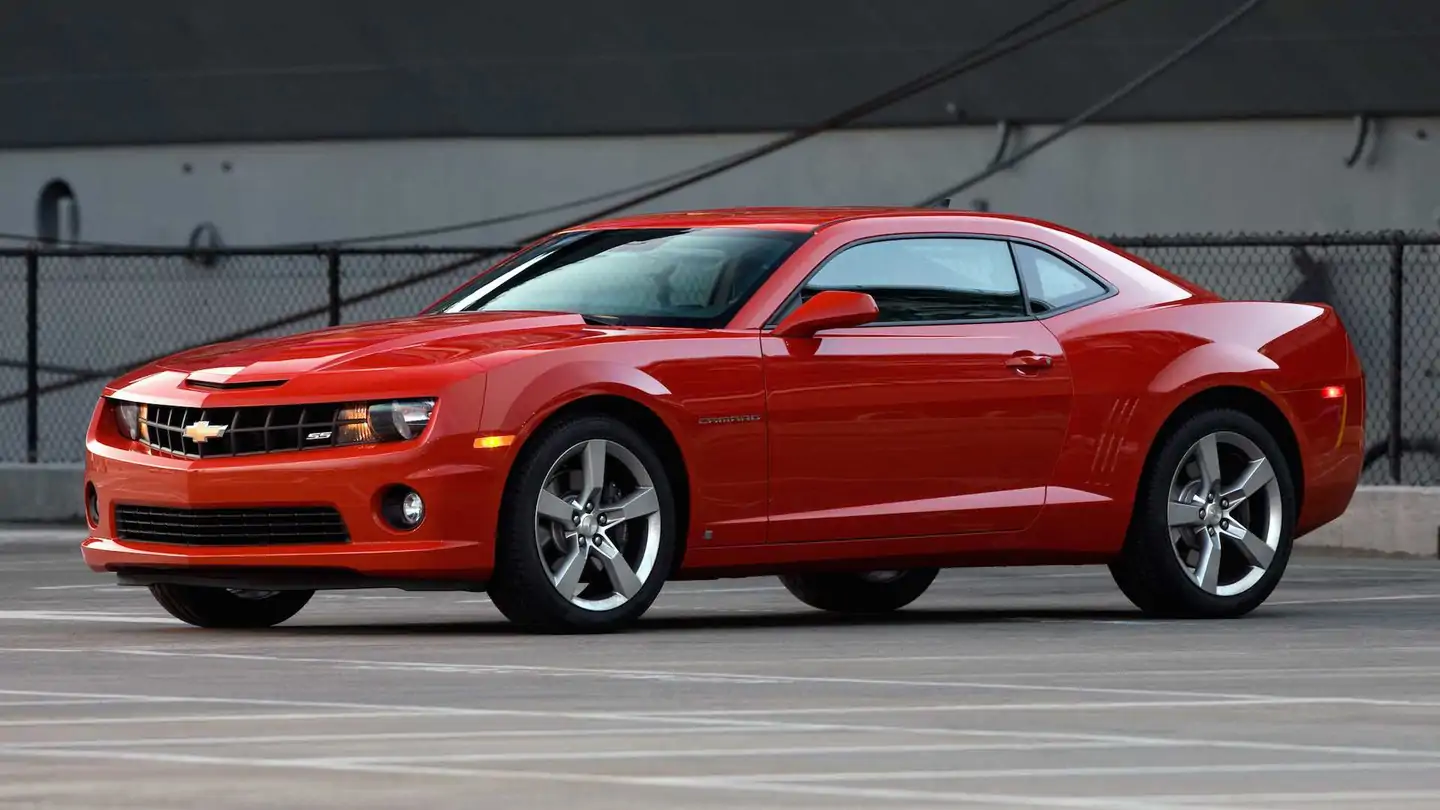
point(376, 346)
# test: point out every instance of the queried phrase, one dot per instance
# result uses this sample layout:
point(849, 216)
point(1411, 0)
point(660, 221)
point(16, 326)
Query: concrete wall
point(1131, 179)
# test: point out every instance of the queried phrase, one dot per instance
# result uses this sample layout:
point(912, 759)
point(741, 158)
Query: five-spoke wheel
point(587, 528)
point(597, 524)
point(1224, 486)
point(1213, 519)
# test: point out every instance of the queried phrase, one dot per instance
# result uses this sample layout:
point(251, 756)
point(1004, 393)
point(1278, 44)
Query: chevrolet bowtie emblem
point(202, 431)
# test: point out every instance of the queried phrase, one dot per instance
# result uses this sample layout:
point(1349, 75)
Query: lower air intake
point(296, 525)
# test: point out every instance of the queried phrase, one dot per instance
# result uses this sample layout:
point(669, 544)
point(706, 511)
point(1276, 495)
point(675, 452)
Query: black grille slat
point(248, 431)
point(231, 527)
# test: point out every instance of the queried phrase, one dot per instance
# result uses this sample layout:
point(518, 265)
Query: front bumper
point(454, 543)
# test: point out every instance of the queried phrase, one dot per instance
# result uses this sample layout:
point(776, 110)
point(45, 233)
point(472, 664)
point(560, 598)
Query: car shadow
point(751, 621)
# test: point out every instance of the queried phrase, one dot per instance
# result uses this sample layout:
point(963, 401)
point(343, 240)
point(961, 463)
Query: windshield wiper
point(601, 320)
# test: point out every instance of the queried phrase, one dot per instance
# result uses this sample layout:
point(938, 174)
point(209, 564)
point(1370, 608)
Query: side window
point(927, 279)
point(1053, 283)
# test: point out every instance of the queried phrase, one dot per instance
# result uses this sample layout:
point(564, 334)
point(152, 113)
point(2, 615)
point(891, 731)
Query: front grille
point(270, 526)
point(248, 431)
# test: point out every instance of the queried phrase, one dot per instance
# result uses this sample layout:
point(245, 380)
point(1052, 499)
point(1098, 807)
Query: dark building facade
point(93, 72)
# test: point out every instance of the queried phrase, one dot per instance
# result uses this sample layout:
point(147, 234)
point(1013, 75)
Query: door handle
point(1026, 362)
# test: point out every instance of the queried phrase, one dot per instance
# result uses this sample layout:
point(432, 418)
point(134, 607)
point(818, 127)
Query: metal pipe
point(32, 357)
point(1397, 355)
point(333, 272)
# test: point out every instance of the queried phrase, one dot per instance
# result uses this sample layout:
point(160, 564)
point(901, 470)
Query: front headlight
point(127, 419)
point(404, 419)
point(392, 421)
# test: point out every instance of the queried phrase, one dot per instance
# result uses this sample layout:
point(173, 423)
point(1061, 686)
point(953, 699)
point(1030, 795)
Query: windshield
point(644, 277)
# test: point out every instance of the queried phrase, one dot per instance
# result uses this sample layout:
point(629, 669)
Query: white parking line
point(1357, 798)
point(1139, 739)
point(10, 704)
point(1105, 655)
point(86, 587)
point(714, 753)
point(391, 736)
point(1265, 673)
point(741, 718)
point(1184, 698)
point(911, 797)
point(710, 591)
point(163, 719)
point(77, 616)
point(1407, 597)
point(949, 798)
point(690, 676)
point(1122, 771)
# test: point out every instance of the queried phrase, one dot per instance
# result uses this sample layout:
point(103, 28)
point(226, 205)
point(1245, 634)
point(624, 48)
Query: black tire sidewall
point(217, 608)
point(846, 592)
point(521, 587)
point(1149, 543)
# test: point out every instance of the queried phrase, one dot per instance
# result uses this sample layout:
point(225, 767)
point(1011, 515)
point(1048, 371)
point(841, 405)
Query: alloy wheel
point(1224, 513)
point(597, 525)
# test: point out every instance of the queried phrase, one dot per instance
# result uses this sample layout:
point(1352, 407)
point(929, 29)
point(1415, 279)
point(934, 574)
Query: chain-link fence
point(1384, 288)
point(74, 318)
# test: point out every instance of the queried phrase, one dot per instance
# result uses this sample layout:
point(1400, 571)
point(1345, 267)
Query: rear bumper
point(454, 542)
point(1331, 435)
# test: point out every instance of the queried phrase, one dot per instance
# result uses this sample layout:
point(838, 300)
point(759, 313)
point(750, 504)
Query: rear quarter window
point(1053, 283)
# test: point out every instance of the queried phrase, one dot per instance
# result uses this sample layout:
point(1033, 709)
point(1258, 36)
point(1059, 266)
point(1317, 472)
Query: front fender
point(517, 402)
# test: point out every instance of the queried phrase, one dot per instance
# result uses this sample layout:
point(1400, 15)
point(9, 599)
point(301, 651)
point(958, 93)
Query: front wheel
point(1213, 522)
point(867, 592)
point(229, 608)
point(587, 529)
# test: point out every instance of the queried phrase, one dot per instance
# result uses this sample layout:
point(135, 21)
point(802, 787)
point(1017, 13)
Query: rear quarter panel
point(1134, 368)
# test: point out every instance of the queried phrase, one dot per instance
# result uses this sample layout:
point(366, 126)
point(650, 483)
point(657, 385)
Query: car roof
point(783, 218)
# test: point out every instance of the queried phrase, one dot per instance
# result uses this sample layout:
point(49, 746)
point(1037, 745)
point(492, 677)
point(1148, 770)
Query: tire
point(536, 554)
point(220, 608)
point(1163, 567)
point(860, 592)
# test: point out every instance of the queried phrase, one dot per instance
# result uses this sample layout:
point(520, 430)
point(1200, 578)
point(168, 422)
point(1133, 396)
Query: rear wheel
point(229, 608)
point(587, 530)
point(867, 592)
point(1211, 534)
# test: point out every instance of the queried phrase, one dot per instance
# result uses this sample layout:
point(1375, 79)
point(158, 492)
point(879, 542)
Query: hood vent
point(233, 386)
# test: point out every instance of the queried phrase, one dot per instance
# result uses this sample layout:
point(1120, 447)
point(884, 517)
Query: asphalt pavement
point(1029, 688)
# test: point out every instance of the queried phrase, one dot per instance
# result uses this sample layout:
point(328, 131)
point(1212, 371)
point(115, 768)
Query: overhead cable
point(1100, 106)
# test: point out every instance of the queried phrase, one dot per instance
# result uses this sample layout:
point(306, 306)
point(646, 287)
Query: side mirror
point(830, 309)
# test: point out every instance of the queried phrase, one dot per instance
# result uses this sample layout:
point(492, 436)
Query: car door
point(944, 416)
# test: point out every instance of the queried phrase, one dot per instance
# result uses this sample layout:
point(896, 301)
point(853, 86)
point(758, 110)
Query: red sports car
point(850, 399)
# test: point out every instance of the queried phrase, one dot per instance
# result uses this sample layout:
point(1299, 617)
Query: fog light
point(402, 508)
point(412, 509)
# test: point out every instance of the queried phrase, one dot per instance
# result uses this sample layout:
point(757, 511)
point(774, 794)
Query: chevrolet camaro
point(848, 399)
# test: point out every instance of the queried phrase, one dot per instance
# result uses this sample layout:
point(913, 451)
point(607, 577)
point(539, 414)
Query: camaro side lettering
point(722, 420)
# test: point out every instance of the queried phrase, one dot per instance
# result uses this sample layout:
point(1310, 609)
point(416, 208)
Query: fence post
point(32, 356)
point(1397, 318)
point(333, 272)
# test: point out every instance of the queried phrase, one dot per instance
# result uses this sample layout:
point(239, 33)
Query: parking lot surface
point(1031, 688)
